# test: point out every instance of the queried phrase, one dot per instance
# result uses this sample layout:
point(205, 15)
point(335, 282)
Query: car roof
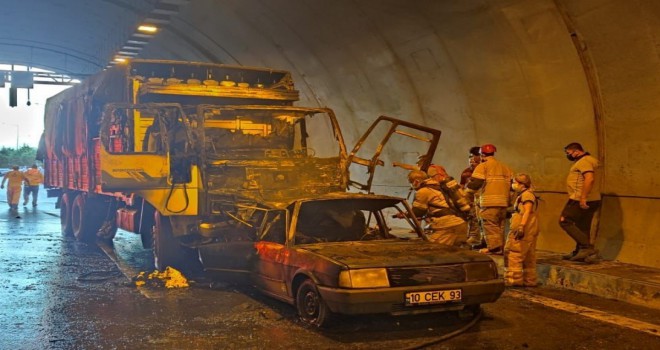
point(349, 195)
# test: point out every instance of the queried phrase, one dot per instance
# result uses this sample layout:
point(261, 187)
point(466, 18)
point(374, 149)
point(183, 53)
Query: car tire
point(312, 309)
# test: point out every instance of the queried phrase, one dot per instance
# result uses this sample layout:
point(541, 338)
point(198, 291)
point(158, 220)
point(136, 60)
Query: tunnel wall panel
point(628, 230)
point(496, 71)
point(623, 40)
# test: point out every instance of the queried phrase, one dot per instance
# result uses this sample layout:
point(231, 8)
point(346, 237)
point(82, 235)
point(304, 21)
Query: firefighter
point(454, 193)
point(474, 158)
point(474, 236)
point(520, 249)
point(431, 204)
point(15, 179)
point(491, 181)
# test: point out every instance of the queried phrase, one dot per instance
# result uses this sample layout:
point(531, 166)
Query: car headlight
point(364, 278)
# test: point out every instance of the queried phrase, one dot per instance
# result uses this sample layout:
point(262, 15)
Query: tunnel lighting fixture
point(135, 41)
point(160, 16)
point(127, 53)
point(156, 19)
point(166, 9)
point(131, 48)
point(146, 28)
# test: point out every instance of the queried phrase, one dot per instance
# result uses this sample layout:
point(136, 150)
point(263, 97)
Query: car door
point(414, 146)
point(271, 254)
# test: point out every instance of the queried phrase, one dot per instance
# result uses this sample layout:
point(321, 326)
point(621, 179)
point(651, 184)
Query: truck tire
point(108, 229)
point(166, 249)
point(65, 213)
point(87, 217)
point(146, 226)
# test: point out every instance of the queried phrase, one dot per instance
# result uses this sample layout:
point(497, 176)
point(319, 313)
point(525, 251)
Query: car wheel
point(311, 307)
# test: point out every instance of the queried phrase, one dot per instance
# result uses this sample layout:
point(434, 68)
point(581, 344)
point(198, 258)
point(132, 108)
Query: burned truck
point(214, 167)
point(182, 153)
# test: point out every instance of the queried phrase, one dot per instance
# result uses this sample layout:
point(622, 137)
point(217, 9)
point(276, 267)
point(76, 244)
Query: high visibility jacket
point(34, 177)
point(431, 202)
point(496, 179)
point(14, 178)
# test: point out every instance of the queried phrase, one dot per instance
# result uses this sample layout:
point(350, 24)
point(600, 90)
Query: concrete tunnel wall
point(482, 71)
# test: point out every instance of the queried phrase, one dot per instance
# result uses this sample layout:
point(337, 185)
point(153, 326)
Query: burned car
point(345, 253)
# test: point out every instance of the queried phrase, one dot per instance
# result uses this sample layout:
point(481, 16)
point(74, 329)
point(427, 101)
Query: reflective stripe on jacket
point(497, 183)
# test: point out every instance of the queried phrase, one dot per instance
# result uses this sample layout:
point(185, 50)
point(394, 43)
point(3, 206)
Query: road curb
point(633, 284)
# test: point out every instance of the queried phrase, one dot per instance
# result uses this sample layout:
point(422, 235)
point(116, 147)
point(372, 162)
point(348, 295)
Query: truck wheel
point(108, 229)
point(310, 305)
point(87, 217)
point(167, 250)
point(65, 213)
point(146, 226)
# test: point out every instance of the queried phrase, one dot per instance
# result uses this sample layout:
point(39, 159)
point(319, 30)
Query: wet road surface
point(56, 293)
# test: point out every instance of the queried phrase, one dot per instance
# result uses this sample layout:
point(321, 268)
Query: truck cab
point(186, 154)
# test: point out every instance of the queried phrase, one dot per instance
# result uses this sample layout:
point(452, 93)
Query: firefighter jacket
point(492, 181)
point(34, 177)
point(14, 178)
point(431, 204)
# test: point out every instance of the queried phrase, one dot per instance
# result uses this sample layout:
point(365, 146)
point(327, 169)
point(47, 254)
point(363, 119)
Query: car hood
point(393, 253)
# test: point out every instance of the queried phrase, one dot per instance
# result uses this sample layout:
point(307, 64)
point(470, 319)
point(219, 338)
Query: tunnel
point(529, 76)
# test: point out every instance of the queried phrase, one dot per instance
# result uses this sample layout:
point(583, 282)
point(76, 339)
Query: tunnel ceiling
point(529, 76)
point(75, 37)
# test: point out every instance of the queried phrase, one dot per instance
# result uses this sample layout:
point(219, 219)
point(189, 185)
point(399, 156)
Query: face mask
point(571, 157)
point(516, 187)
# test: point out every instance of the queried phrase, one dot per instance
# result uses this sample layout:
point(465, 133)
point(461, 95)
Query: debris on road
point(170, 278)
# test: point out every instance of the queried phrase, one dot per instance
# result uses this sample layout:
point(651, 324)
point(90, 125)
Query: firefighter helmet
point(488, 149)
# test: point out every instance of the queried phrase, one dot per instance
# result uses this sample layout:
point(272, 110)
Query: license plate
point(433, 297)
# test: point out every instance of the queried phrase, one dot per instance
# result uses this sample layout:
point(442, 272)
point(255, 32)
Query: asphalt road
point(56, 293)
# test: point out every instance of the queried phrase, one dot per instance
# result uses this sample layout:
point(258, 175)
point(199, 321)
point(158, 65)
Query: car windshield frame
point(339, 220)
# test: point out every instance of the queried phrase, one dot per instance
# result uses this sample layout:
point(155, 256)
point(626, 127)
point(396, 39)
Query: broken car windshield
point(350, 220)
